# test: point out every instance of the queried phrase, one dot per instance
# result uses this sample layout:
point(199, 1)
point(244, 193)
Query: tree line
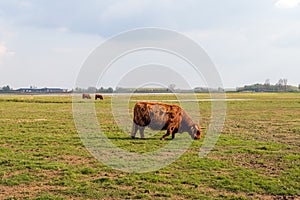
point(93, 90)
point(6, 88)
point(280, 86)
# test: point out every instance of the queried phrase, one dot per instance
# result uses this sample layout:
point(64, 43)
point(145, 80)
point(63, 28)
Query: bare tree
point(172, 87)
point(279, 84)
point(285, 81)
point(267, 85)
point(267, 82)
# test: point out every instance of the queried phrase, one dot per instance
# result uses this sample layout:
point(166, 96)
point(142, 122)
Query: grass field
point(256, 157)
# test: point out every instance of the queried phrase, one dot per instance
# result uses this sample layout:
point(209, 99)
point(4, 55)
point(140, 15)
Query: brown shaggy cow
point(86, 96)
point(160, 116)
point(98, 96)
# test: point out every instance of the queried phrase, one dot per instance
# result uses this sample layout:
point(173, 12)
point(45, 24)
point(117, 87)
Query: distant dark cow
point(86, 96)
point(98, 96)
point(160, 116)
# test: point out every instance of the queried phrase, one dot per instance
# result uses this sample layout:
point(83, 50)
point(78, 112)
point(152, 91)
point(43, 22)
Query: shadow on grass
point(136, 139)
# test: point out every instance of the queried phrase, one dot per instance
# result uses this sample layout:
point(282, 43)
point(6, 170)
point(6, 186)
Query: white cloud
point(287, 3)
point(255, 37)
point(251, 53)
point(123, 9)
point(4, 52)
point(62, 29)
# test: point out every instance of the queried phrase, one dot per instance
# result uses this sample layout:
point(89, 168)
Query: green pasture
point(256, 157)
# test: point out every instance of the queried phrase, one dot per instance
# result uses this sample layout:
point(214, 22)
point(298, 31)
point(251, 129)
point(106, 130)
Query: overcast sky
point(44, 43)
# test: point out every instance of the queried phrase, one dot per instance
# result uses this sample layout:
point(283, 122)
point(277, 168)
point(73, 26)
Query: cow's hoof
point(162, 139)
point(132, 137)
point(143, 138)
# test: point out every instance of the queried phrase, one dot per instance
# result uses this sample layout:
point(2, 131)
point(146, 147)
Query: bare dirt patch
point(26, 191)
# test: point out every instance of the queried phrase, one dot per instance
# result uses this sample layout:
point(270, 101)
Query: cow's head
point(196, 132)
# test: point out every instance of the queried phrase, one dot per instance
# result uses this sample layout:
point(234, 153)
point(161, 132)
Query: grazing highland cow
point(98, 96)
point(160, 116)
point(86, 96)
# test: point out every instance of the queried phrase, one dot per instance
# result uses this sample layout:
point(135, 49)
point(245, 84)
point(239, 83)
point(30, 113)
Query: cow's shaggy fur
point(160, 116)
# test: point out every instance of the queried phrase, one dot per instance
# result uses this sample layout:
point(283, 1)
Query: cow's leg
point(142, 128)
point(134, 130)
point(166, 135)
point(174, 131)
point(173, 135)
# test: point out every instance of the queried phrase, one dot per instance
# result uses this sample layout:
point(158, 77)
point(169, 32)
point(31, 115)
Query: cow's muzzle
point(196, 137)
